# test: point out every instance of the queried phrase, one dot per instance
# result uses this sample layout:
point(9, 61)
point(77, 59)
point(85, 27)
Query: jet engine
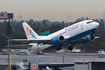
point(88, 38)
point(58, 40)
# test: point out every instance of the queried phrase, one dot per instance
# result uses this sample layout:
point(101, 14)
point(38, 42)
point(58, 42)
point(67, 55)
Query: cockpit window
point(90, 22)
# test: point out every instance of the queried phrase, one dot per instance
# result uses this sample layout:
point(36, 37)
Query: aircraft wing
point(25, 45)
point(31, 41)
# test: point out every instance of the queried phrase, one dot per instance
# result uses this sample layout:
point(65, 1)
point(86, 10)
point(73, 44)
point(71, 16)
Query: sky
point(53, 10)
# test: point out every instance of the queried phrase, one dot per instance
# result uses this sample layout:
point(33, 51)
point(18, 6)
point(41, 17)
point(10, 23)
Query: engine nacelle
point(58, 40)
point(88, 38)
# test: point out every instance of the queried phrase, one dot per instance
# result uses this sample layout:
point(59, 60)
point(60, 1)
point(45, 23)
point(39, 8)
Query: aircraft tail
point(29, 31)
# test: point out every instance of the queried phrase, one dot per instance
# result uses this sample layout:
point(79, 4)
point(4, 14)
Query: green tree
point(44, 22)
point(9, 29)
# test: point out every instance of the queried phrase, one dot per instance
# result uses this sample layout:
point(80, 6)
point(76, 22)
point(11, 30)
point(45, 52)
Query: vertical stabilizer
point(29, 31)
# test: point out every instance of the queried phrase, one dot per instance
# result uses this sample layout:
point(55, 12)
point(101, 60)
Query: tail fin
point(29, 31)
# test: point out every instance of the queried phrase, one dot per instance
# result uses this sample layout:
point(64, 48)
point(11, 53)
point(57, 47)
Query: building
point(89, 64)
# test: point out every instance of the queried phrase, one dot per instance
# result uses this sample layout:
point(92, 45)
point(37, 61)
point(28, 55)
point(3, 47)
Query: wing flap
point(24, 45)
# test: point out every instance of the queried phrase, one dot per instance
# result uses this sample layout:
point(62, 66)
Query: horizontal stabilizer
point(25, 45)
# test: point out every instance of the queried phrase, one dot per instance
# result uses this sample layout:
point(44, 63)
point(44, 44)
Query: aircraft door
point(82, 26)
point(87, 26)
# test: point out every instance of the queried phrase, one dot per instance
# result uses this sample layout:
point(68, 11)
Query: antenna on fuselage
point(103, 16)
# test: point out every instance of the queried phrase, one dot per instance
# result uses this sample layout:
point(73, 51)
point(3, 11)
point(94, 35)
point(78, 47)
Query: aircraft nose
point(96, 25)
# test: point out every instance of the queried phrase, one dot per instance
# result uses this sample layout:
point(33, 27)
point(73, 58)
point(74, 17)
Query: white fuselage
point(75, 29)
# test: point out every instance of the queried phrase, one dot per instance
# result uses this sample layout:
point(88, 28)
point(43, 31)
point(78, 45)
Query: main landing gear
point(70, 47)
point(58, 48)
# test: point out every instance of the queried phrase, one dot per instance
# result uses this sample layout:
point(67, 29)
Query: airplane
point(81, 32)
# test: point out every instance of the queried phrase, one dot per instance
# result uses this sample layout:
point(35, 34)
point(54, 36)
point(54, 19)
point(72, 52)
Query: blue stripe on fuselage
point(72, 38)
